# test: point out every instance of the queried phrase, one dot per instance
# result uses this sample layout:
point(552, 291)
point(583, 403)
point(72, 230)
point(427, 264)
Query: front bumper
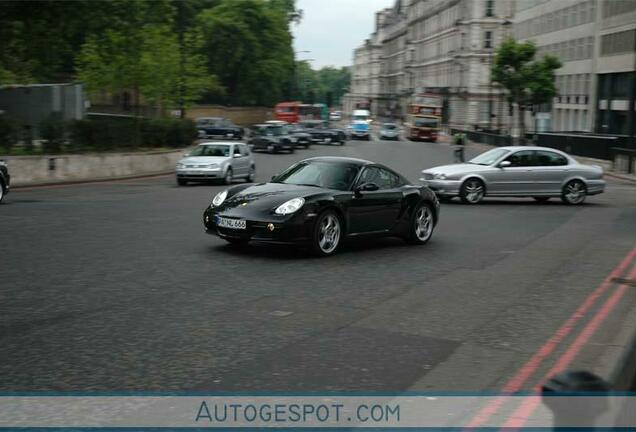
point(443, 187)
point(294, 229)
point(200, 173)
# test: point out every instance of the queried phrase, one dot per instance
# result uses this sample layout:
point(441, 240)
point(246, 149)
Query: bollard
point(585, 412)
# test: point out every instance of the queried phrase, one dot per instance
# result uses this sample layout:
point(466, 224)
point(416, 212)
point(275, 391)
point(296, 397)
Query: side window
point(369, 175)
point(237, 151)
point(388, 180)
point(548, 158)
point(521, 158)
point(244, 150)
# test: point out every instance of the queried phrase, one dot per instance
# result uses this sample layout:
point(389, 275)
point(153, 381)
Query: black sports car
point(321, 201)
point(321, 134)
point(218, 127)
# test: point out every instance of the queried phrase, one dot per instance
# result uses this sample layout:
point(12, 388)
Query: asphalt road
point(114, 286)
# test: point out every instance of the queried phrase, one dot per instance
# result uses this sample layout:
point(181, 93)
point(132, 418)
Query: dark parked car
point(321, 201)
point(322, 134)
point(273, 138)
point(218, 127)
point(5, 179)
point(299, 135)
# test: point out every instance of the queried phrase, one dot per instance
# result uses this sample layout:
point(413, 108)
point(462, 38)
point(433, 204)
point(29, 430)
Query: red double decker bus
point(425, 116)
point(293, 112)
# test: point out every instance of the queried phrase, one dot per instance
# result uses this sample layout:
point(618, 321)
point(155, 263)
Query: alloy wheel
point(473, 191)
point(251, 175)
point(423, 223)
point(228, 176)
point(329, 234)
point(574, 192)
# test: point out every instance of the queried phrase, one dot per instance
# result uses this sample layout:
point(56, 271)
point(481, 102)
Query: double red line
point(515, 384)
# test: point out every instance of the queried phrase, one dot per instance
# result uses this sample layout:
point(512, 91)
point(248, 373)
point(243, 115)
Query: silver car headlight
point(439, 176)
point(213, 166)
point(219, 198)
point(180, 165)
point(291, 206)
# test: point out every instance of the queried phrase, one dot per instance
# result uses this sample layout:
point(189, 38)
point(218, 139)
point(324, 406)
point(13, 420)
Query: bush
point(53, 132)
point(127, 133)
point(9, 134)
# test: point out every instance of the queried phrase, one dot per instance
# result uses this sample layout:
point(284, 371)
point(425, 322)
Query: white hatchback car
point(216, 161)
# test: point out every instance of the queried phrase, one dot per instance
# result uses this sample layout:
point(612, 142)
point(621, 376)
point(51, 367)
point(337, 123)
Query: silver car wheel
point(575, 192)
point(474, 191)
point(1, 191)
point(329, 234)
point(423, 223)
point(228, 176)
point(251, 175)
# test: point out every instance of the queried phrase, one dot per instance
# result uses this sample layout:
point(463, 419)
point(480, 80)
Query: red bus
point(293, 112)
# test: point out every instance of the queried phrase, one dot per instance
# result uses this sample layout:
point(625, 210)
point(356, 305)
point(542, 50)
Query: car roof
point(340, 159)
point(218, 142)
point(515, 148)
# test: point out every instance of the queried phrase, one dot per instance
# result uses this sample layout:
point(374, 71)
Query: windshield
point(360, 117)
point(330, 175)
point(211, 150)
point(426, 122)
point(208, 121)
point(274, 131)
point(489, 158)
point(390, 126)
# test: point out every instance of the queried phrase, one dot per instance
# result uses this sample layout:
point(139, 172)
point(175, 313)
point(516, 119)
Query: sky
point(331, 29)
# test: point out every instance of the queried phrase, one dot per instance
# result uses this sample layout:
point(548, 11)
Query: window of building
point(620, 42)
point(490, 8)
point(488, 39)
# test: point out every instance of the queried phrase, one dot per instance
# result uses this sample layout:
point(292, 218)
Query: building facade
point(435, 46)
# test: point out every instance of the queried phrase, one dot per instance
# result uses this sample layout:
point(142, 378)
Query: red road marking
point(525, 372)
point(521, 414)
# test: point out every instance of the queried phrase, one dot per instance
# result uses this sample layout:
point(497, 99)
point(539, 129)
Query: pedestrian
point(460, 141)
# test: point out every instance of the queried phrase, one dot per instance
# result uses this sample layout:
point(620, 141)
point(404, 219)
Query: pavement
point(114, 286)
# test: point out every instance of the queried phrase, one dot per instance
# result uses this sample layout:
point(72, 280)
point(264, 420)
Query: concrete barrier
point(51, 169)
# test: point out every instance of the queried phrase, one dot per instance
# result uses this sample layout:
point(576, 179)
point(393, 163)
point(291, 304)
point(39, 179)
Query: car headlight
point(219, 198)
point(439, 176)
point(212, 166)
point(291, 206)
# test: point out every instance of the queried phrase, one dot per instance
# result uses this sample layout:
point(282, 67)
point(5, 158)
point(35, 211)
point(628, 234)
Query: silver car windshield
point(211, 150)
point(490, 157)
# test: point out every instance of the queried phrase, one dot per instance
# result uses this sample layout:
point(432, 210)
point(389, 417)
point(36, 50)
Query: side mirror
point(367, 187)
point(505, 164)
point(236, 155)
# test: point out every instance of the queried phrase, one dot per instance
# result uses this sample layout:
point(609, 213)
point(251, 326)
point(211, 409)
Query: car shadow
point(521, 202)
point(290, 252)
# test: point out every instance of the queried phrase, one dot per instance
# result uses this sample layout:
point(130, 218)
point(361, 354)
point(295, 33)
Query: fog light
point(207, 218)
point(270, 227)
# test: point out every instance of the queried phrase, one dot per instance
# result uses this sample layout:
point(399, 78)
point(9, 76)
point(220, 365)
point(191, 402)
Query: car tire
point(229, 176)
point(251, 175)
point(327, 234)
point(574, 192)
point(541, 199)
point(422, 225)
point(271, 148)
point(2, 191)
point(182, 182)
point(292, 150)
point(472, 191)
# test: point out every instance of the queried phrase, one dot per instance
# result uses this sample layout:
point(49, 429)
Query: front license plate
point(230, 223)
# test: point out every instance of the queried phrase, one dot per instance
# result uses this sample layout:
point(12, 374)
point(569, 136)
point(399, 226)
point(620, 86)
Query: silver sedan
point(520, 171)
point(216, 161)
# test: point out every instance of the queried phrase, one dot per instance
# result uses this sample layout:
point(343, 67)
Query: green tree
point(248, 45)
point(528, 81)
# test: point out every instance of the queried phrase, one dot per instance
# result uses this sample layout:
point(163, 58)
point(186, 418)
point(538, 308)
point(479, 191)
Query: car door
point(550, 171)
point(239, 161)
point(515, 179)
point(375, 211)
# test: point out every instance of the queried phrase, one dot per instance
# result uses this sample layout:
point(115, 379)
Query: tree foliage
point(172, 51)
point(528, 81)
point(248, 45)
point(326, 85)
